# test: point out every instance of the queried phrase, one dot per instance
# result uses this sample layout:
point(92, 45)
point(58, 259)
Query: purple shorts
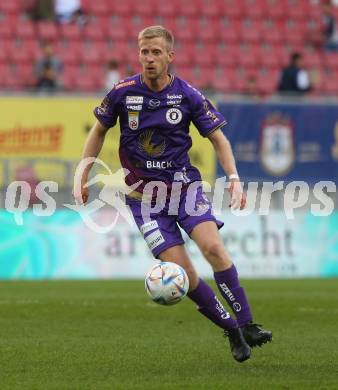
point(161, 229)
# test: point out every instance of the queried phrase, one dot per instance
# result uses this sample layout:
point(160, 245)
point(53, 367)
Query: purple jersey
point(154, 139)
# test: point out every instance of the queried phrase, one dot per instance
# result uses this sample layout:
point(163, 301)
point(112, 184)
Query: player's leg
point(207, 237)
point(207, 302)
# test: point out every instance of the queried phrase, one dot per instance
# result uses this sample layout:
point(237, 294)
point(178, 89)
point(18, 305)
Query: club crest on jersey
point(277, 150)
point(133, 120)
point(174, 116)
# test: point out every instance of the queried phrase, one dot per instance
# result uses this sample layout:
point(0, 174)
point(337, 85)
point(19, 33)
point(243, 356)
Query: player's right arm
point(92, 148)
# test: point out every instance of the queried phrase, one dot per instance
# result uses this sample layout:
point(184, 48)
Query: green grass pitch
point(108, 335)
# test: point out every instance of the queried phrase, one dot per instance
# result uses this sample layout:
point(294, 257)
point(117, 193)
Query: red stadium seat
point(276, 9)
point(226, 55)
point(206, 29)
point(187, 8)
point(331, 61)
point(145, 8)
point(94, 32)
point(294, 33)
point(269, 57)
point(184, 55)
point(25, 30)
point(204, 54)
point(254, 10)
point(232, 9)
point(98, 7)
point(69, 54)
point(250, 32)
point(6, 29)
point(272, 32)
point(10, 7)
point(229, 31)
point(121, 8)
point(248, 58)
point(202, 77)
point(167, 9)
point(20, 55)
point(312, 60)
point(91, 56)
point(47, 31)
point(222, 79)
point(70, 32)
point(184, 29)
point(210, 8)
point(116, 29)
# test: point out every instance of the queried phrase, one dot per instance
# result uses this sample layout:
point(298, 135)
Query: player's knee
point(213, 250)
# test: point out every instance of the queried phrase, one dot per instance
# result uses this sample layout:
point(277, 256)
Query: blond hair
point(157, 32)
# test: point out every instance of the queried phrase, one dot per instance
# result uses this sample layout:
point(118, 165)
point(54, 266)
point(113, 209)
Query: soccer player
point(155, 109)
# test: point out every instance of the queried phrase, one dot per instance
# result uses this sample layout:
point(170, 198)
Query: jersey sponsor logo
point(159, 164)
point(102, 109)
point(125, 84)
point(174, 116)
point(151, 148)
point(133, 120)
point(148, 226)
point(209, 113)
point(174, 97)
point(174, 100)
point(153, 104)
point(154, 239)
point(175, 103)
point(135, 108)
point(134, 99)
point(277, 149)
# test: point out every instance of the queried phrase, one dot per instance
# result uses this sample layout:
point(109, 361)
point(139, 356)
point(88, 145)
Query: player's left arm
point(226, 158)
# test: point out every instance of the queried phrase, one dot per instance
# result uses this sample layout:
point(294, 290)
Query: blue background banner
point(283, 141)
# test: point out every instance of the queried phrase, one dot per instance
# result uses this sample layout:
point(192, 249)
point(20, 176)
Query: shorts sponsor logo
point(154, 239)
point(174, 116)
point(134, 99)
point(148, 226)
point(135, 108)
point(125, 84)
point(133, 120)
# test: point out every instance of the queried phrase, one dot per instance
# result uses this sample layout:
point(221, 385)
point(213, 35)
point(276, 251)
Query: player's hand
point(238, 198)
point(80, 193)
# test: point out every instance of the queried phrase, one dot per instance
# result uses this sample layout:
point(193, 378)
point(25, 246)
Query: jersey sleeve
point(205, 116)
point(106, 113)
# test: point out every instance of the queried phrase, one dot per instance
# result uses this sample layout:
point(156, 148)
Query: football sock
point(209, 305)
point(228, 284)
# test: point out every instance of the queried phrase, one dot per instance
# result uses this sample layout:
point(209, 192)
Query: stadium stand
point(217, 41)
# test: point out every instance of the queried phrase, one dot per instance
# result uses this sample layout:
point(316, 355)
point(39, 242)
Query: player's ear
point(171, 56)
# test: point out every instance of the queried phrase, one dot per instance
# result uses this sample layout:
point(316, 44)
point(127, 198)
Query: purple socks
point(209, 305)
point(228, 284)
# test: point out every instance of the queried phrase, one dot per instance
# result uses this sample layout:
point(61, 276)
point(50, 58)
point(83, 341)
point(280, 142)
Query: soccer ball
point(166, 283)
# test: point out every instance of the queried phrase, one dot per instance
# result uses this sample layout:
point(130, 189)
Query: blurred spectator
point(43, 10)
point(330, 30)
point(294, 79)
point(47, 70)
point(68, 11)
point(113, 75)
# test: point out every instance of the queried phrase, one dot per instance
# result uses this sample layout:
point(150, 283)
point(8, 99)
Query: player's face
point(154, 57)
